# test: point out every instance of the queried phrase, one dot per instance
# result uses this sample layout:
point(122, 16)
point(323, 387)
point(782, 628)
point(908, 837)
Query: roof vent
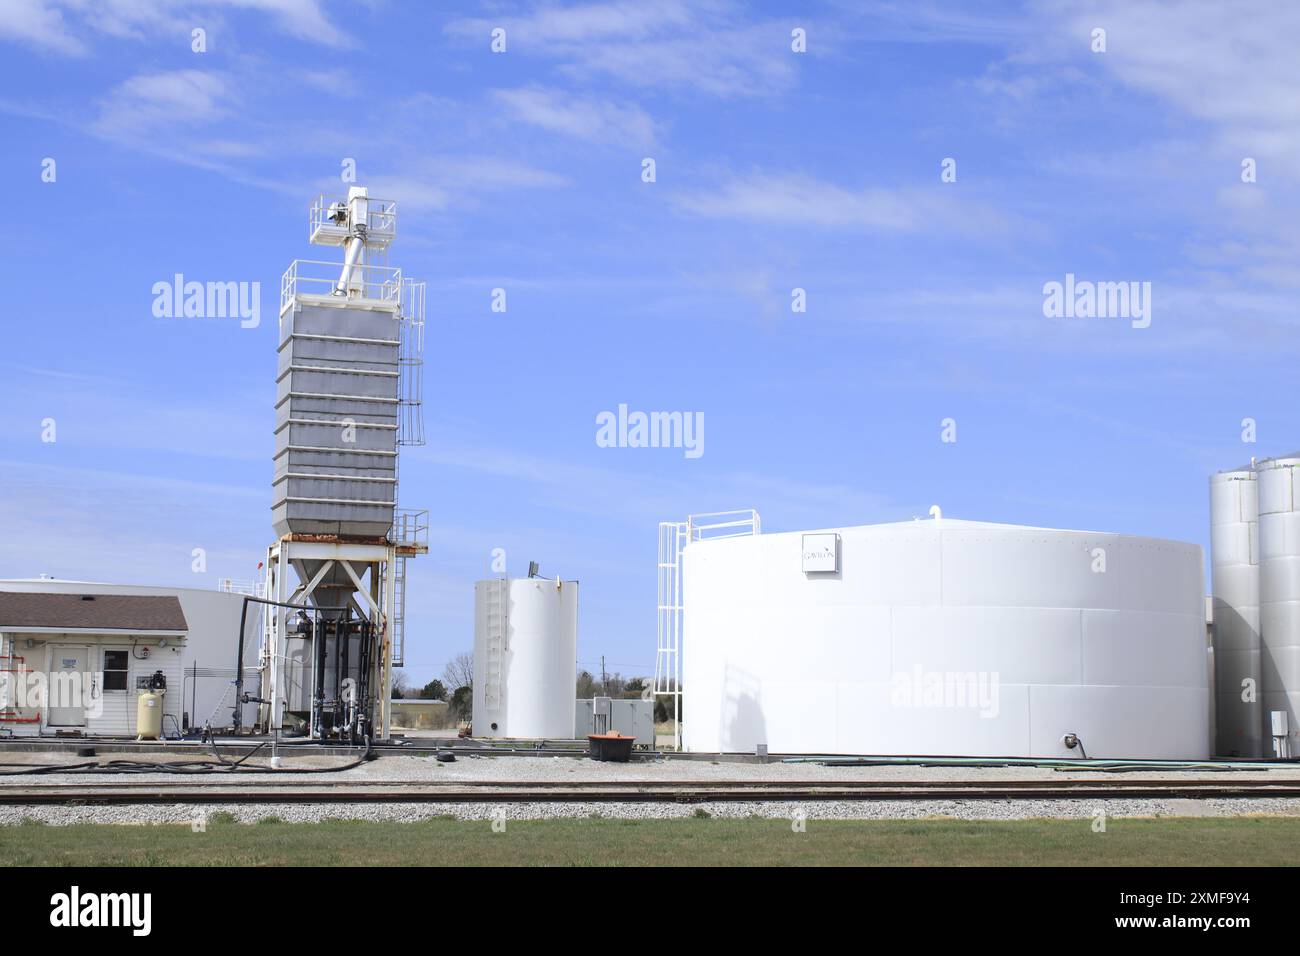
point(88, 597)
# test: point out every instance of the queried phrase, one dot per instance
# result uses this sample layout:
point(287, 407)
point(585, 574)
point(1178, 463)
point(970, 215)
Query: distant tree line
point(456, 687)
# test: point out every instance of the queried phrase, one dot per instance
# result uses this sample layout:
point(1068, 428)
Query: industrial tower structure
point(348, 396)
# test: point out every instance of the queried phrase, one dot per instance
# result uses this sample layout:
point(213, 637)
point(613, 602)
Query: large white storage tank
point(1234, 557)
point(1279, 587)
point(945, 637)
point(525, 658)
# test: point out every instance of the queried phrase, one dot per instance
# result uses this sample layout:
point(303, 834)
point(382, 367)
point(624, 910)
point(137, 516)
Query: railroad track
point(588, 791)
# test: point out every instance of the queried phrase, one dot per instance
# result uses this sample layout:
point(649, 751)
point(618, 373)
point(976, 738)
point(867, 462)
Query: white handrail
point(317, 277)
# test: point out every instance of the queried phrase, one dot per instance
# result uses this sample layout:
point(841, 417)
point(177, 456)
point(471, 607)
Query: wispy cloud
point(152, 100)
point(304, 19)
point(69, 27)
point(928, 21)
point(796, 199)
point(1234, 67)
point(100, 416)
point(640, 498)
point(96, 524)
point(39, 24)
point(709, 48)
point(438, 182)
point(585, 118)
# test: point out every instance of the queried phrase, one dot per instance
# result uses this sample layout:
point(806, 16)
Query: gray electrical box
point(635, 718)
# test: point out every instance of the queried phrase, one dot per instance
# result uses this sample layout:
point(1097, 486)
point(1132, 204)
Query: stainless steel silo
point(1279, 586)
point(1234, 559)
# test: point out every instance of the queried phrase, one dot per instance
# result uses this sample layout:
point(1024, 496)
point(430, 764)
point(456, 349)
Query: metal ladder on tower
point(399, 612)
point(496, 625)
point(410, 431)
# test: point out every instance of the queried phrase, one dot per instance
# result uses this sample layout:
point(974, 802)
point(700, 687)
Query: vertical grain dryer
point(348, 395)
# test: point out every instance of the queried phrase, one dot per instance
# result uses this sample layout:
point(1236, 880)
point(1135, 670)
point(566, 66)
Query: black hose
point(221, 765)
point(237, 718)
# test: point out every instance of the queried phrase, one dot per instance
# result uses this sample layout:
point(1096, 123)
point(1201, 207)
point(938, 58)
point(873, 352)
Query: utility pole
point(604, 679)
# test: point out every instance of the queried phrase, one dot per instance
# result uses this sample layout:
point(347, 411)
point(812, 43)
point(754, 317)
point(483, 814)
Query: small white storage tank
point(1234, 557)
point(1279, 586)
point(525, 658)
point(945, 637)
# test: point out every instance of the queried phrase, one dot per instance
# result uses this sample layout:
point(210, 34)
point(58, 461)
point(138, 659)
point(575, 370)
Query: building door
point(68, 673)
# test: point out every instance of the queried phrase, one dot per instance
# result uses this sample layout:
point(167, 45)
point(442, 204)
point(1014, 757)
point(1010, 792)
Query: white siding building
point(73, 663)
point(197, 659)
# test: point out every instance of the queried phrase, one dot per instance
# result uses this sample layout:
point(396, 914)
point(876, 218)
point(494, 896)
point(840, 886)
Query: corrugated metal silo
point(336, 444)
point(1234, 557)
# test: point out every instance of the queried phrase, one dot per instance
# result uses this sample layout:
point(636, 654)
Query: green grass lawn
point(699, 841)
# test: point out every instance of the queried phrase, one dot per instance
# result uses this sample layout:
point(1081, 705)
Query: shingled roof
point(90, 612)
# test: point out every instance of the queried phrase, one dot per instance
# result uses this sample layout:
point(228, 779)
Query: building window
point(115, 667)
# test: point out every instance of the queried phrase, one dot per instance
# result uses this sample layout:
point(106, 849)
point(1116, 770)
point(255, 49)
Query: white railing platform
point(367, 285)
point(327, 222)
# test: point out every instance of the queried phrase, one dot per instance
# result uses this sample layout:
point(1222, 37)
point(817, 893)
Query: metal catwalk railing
point(674, 536)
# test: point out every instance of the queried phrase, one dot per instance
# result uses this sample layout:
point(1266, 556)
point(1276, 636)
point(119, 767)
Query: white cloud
point(1233, 65)
point(802, 200)
point(304, 19)
point(636, 497)
point(437, 182)
point(40, 24)
point(150, 101)
point(127, 19)
point(96, 524)
point(690, 48)
point(68, 26)
point(622, 20)
point(585, 118)
point(926, 21)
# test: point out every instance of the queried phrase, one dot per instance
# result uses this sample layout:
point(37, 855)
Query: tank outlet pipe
point(355, 246)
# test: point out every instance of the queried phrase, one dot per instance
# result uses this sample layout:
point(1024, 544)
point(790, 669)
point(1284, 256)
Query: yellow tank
point(148, 714)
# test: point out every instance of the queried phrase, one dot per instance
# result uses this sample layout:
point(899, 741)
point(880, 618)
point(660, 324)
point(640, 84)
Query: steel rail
point(1091, 783)
point(629, 792)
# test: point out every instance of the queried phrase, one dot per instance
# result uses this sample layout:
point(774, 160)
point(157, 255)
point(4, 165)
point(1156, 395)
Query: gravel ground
point(849, 810)
point(561, 769)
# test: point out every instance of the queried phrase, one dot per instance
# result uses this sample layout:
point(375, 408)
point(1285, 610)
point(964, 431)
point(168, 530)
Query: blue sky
point(774, 170)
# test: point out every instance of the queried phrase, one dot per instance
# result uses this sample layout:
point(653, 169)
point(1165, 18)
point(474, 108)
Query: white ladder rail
point(674, 536)
point(668, 661)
